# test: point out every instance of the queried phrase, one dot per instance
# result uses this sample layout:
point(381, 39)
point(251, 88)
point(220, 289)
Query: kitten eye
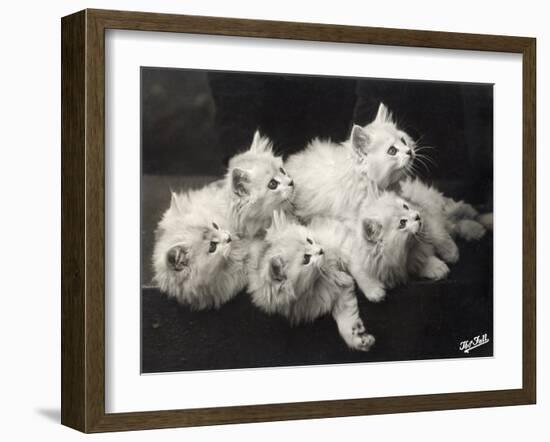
point(273, 184)
point(392, 150)
point(404, 141)
point(309, 240)
point(402, 223)
point(215, 226)
point(405, 207)
point(307, 258)
point(282, 170)
point(213, 246)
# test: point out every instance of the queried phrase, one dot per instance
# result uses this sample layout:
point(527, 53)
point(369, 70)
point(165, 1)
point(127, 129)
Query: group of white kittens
point(300, 235)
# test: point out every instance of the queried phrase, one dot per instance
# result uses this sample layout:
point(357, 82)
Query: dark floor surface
point(422, 320)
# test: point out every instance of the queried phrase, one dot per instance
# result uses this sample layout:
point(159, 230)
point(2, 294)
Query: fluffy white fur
point(388, 240)
point(196, 260)
point(299, 274)
point(333, 179)
point(257, 185)
point(449, 217)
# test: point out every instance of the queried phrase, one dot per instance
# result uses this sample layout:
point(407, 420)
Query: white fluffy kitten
point(448, 217)
point(196, 260)
point(386, 242)
point(295, 273)
point(258, 184)
point(333, 179)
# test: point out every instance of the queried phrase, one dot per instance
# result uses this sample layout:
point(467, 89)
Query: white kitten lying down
point(388, 240)
point(196, 260)
point(334, 179)
point(257, 184)
point(448, 217)
point(298, 274)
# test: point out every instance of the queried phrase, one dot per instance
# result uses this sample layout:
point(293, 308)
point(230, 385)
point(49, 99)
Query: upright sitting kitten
point(258, 184)
point(299, 276)
point(388, 241)
point(196, 260)
point(333, 179)
point(448, 217)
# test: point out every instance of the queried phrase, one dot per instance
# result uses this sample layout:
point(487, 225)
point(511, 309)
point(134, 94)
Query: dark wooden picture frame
point(83, 220)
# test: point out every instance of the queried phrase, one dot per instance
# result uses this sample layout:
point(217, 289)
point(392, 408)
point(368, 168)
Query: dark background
point(193, 121)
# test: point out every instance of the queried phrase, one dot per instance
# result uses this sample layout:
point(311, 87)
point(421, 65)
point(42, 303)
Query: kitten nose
point(321, 252)
point(229, 239)
point(409, 152)
point(417, 217)
point(291, 184)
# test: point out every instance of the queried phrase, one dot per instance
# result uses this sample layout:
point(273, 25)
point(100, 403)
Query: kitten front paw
point(375, 294)
point(470, 230)
point(468, 211)
point(434, 269)
point(360, 339)
point(449, 252)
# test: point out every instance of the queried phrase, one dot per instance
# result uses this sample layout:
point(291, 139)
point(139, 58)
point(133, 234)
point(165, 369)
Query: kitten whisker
point(426, 157)
point(429, 161)
point(423, 162)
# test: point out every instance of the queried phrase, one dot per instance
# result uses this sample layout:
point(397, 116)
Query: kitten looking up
point(333, 179)
point(258, 184)
point(449, 218)
point(388, 240)
point(300, 276)
point(195, 259)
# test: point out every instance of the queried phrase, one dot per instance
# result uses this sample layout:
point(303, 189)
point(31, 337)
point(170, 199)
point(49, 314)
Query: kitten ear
point(372, 229)
point(383, 115)
point(174, 205)
point(178, 258)
point(277, 268)
point(260, 143)
point(240, 182)
point(360, 140)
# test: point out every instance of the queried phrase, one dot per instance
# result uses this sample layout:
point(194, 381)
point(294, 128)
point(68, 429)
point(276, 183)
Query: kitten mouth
point(418, 232)
point(227, 251)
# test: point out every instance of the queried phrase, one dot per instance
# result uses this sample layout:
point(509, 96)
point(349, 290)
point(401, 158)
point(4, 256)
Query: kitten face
point(259, 182)
point(291, 261)
point(189, 246)
point(383, 150)
point(386, 232)
point(390, 221)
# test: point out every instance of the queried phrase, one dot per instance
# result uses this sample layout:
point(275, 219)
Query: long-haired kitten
point(196, 259)
point(294, 273)
point(388, 241)
point(449, 218)
point(258, 184)
point(333, 179)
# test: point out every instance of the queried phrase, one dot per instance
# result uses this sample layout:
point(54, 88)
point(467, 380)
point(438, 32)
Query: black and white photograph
point(294, 220)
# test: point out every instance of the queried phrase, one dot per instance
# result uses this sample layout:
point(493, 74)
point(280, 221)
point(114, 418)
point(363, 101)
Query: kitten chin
point(257, 184)
point(298, 273)
point(333, 179)
point(196, 260)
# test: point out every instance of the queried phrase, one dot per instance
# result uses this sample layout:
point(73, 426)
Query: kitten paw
point(375, 294)
point(467, 211)
point(434, 269)
point(449, 253)
point(360, 339)
point(470, 230)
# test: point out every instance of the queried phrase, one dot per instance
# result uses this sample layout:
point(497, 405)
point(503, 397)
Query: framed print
point(267, 220)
